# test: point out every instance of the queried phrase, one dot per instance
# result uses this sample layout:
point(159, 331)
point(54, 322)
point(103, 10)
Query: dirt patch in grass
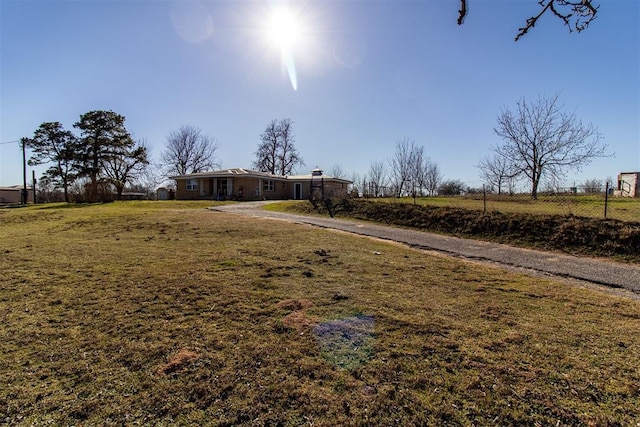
point(178, 362)
point(294, 304)
point(298, 318)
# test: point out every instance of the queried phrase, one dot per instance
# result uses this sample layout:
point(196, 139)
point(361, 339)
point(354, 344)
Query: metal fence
point(576, 201)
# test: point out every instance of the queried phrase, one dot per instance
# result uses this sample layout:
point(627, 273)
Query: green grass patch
point(167, 313)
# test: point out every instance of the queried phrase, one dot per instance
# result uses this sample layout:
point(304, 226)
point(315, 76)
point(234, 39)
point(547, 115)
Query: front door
point(297, 191)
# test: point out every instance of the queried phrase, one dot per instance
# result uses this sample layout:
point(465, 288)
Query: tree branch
point(462, 12)
point(575, 14)
point(580, 11)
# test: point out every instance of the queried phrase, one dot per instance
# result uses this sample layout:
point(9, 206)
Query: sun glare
point(284, 29)
point(285, 32)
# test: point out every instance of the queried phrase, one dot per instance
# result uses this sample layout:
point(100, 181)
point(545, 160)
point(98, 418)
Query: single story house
point(246, 184)
point(628, 184)
point(13, 194)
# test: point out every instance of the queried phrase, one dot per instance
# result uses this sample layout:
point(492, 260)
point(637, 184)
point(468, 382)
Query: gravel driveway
point(590, 270)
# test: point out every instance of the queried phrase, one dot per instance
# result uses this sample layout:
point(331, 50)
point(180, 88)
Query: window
point(192, 184)
point(268, 185)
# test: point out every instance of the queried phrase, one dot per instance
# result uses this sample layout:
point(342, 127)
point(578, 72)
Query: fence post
point(484, 199)
point(606, 199)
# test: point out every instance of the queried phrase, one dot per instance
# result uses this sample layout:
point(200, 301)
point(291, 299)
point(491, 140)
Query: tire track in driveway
point(589, 270)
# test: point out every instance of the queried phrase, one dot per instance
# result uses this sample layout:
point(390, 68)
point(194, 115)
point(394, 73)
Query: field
point(161, 313)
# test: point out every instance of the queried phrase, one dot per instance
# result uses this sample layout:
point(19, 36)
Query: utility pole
point(25, 194)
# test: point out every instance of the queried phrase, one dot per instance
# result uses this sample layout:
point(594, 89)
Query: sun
point(284, 29)
point(285, 32)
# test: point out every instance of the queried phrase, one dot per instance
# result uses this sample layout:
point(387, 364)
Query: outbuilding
point(628, 184)
point(13, 194)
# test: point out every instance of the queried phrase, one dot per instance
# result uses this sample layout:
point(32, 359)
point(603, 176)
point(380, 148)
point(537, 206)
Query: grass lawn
point(158, 313)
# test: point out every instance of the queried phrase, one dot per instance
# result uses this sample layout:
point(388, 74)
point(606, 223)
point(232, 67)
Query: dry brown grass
point(95, 301)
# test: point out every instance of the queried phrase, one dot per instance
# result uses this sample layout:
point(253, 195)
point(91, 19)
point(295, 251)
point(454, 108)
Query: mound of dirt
point(179, 361)
point(297, 319)
point(294, 304)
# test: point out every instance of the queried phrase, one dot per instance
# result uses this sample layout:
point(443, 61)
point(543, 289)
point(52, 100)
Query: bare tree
point(124, 169)
point(593, 186)
point(377, 178)
point(432, 177)
point(402, 166)
point(411, 172)
point(188, 150)
point(540, 140)
point(417, 175)
point(337, 171)
point(267, 154)
point(276, 152)
point(363, 186)
point(496, 171)
point(575, 14)
point(355, 185)
point(288, 156)
point(149, 180)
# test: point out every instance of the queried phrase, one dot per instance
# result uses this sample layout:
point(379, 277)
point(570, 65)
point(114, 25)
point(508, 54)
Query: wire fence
point(570, 202)
point(576, 201)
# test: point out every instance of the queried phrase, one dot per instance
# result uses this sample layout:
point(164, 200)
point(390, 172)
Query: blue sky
point(368, 74)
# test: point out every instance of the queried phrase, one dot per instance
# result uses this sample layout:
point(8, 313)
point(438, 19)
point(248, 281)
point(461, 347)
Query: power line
point(9, 142)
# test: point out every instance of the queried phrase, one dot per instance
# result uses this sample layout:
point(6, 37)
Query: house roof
point(226, 173)
point(237, 172)
point(15, 188)
point(316, 177)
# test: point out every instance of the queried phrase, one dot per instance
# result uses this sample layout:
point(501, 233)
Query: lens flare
point(285, 32)
point(291, 68)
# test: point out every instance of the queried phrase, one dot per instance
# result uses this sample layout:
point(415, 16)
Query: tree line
point(539, 140)
point(103, 157)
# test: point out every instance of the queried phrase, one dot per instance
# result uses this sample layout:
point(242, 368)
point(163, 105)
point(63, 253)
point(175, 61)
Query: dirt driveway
point(586, 270)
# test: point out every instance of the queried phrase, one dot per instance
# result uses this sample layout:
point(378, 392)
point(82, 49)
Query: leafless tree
point(276, 152)
point(417, 172)
point(540, 140)
point(432, 177)
point(355, 185)
point(411, 172)
point(121, 170)
point(188, 150)
point(149, 180)
point(267, 154)
point(497, 172)
point(593, 186)
point(402, 166)
point(337, 171)
point(377, 178)
point(575, 14)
